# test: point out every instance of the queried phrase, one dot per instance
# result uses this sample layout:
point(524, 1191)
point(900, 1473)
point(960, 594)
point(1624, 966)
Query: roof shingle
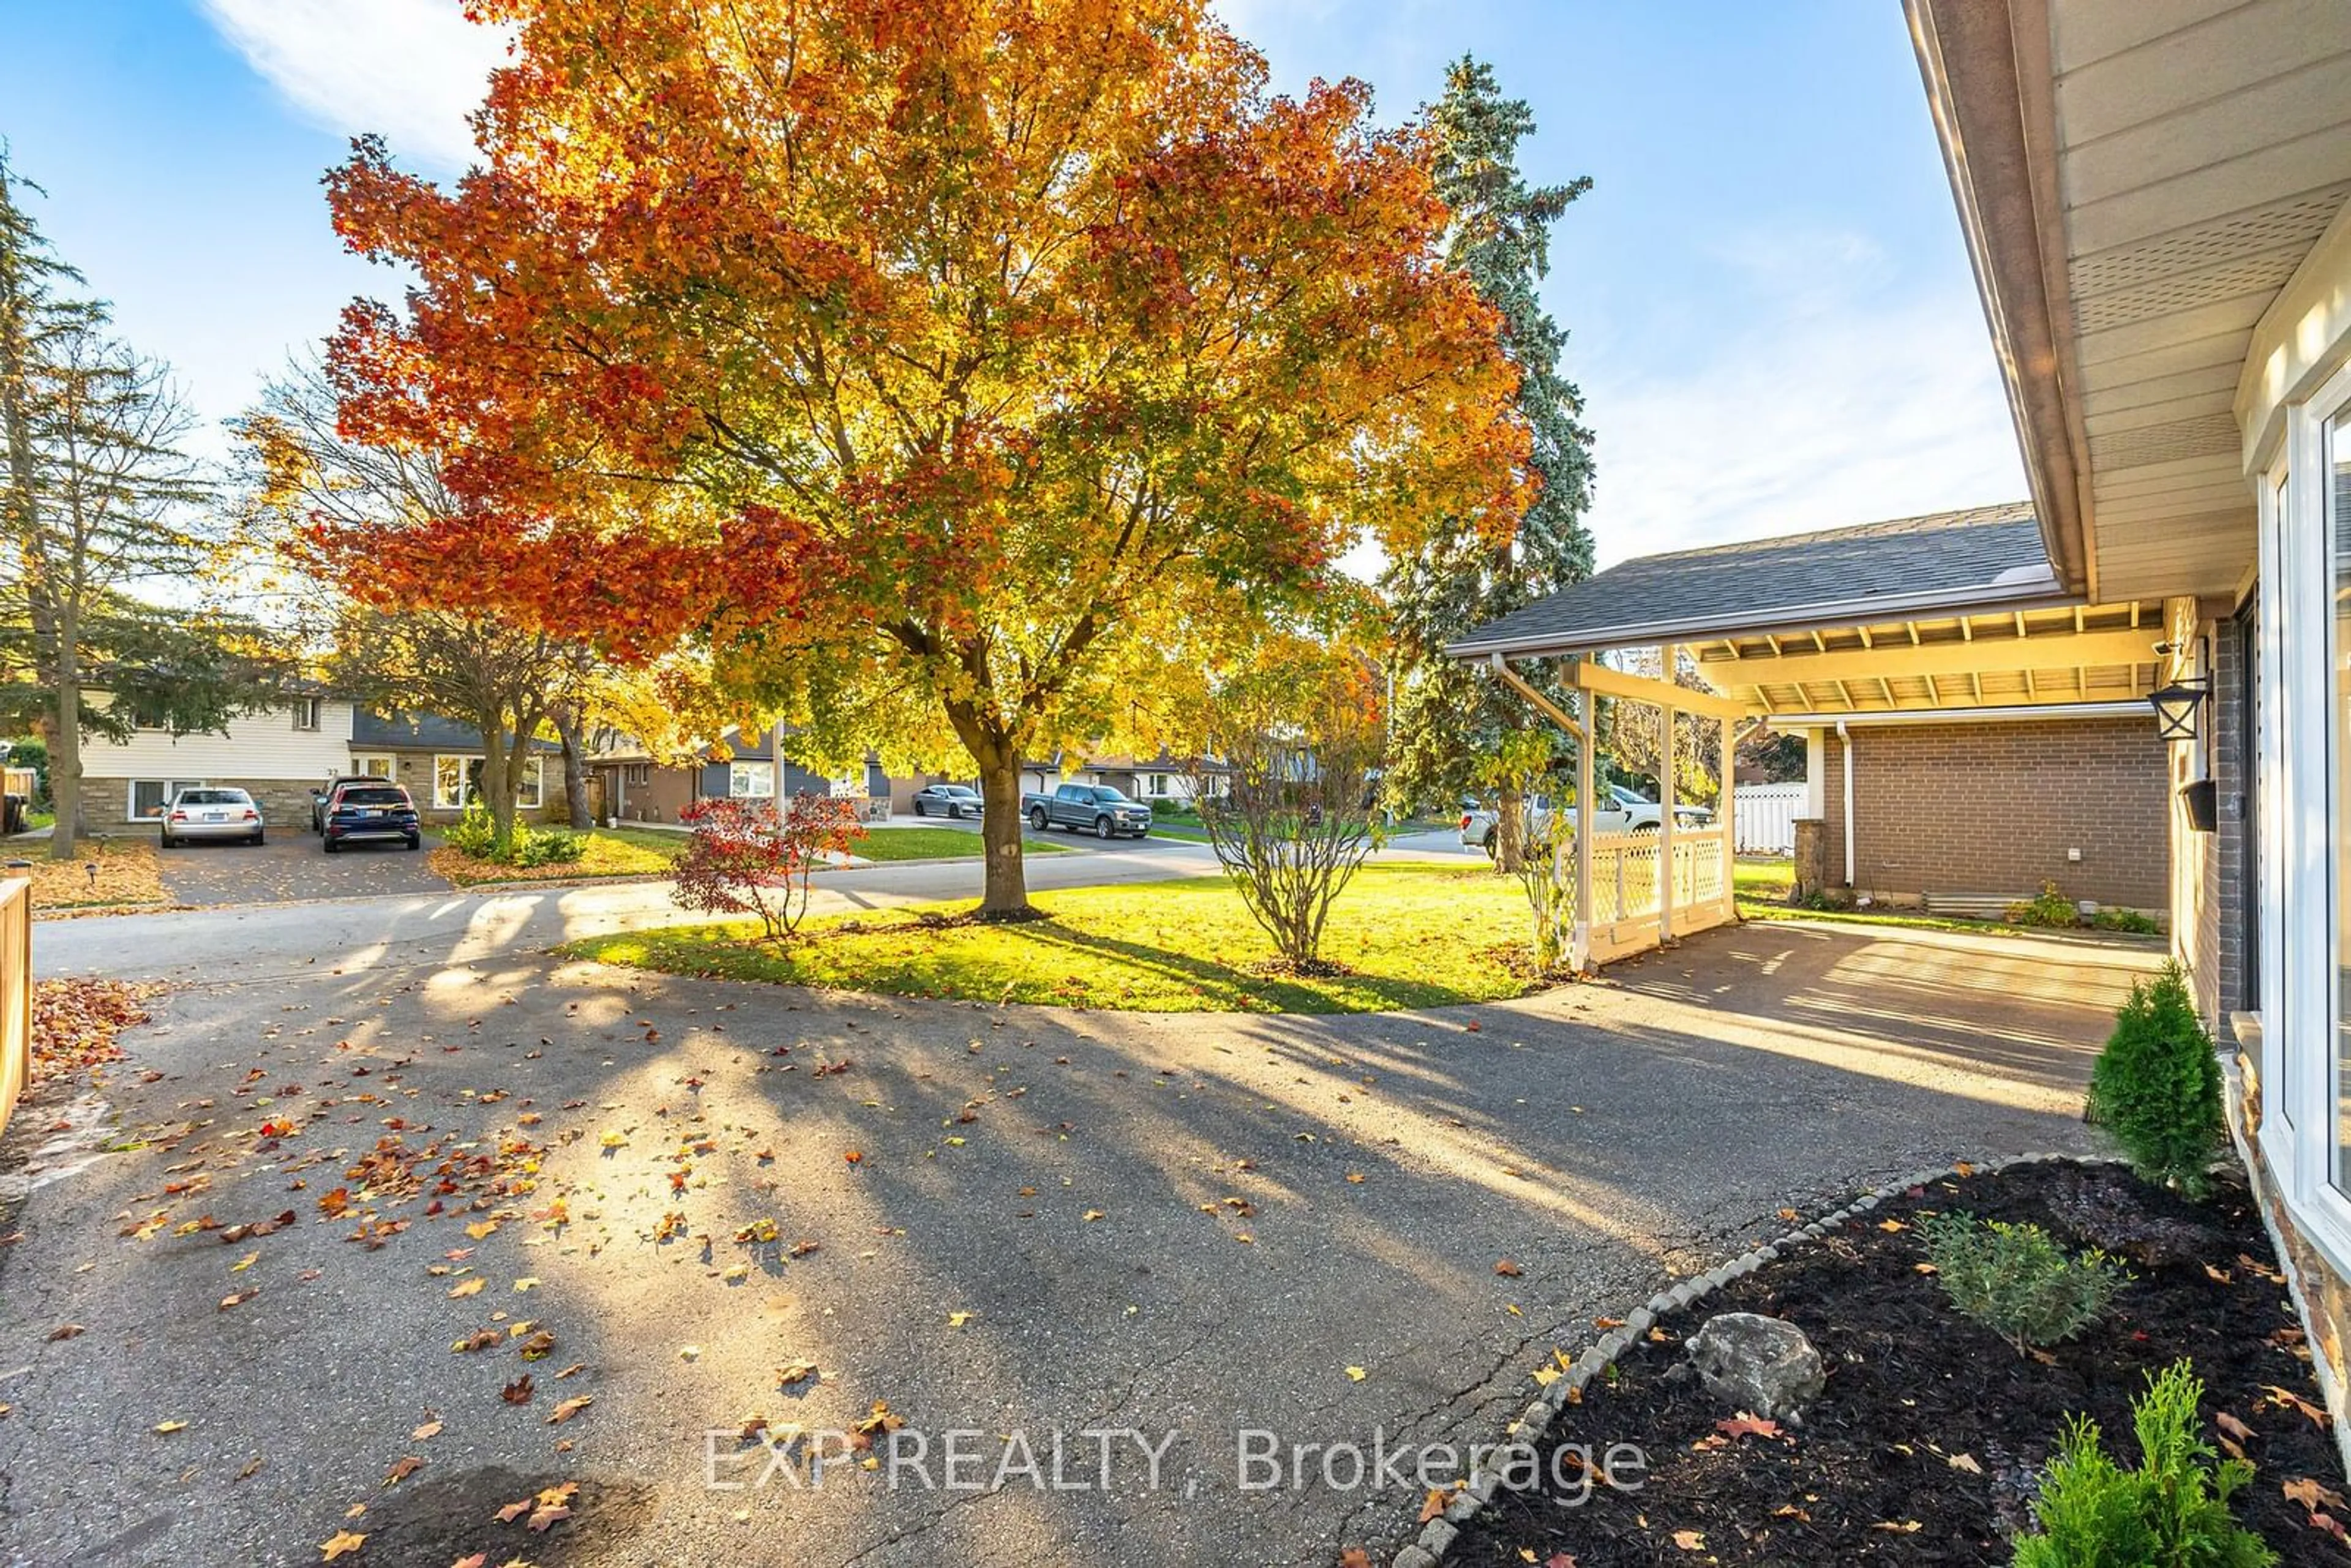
point(1849, 576)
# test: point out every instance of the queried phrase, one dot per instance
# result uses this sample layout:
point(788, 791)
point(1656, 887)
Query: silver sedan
point(213, 811)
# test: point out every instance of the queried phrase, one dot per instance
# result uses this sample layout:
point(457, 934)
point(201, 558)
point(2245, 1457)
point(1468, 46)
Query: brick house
point(1971, 734)
point(440, 762)
point(635, 788)
point(2157, 203)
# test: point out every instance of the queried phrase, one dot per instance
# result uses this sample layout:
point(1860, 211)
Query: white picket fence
point(1766, 817)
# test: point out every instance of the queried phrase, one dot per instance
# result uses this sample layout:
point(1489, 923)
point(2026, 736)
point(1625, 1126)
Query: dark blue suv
point(357, 813)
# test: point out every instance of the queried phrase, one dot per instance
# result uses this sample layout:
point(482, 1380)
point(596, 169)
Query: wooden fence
point(15, 991)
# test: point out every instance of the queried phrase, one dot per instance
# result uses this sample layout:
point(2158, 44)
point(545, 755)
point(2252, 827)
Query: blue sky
point(1771, 314)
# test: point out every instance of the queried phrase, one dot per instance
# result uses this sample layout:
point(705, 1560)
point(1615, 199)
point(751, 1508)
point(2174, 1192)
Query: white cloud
point(412, 69)
point(1823, 396)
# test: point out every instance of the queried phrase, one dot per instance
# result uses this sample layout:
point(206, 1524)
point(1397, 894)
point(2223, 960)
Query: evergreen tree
point(98, 502)
point(1450, 719)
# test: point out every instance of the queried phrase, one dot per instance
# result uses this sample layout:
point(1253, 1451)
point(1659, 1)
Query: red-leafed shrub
point(747, 858)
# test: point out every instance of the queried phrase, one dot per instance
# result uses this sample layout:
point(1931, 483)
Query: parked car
point(948, 801)
point(322, 794)
point(213, 812)
point(1626, 811)
point(370, 811)
point(1078, 807)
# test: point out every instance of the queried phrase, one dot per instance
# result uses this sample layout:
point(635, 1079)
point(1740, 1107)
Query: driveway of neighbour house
point(1027, 1221)
point(292, 866)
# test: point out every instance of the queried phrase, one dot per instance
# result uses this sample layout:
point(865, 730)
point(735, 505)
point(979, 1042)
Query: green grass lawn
point(934, 845)
point(1408, 936)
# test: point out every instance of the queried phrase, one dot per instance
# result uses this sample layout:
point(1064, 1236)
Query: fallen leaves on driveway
point(75, 1023)
point(342, 1544)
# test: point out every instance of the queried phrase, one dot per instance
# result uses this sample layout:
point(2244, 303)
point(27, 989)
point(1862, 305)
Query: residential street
point(1024, 1220)
point(251, 942)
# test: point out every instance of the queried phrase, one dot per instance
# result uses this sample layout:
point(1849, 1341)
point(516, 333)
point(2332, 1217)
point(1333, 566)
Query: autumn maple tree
point(940, 367)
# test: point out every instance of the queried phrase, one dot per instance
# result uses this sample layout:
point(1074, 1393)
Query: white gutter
point(1844, 744)
point(2021, 713)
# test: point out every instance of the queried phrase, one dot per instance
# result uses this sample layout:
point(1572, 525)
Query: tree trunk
point(65, 749)
point(1005, 892)
point(497, 784)
point(1511, 830)
point(575, 768)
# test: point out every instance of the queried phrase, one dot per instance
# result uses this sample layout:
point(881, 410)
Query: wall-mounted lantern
point(2176, 703)
point(2175, 709)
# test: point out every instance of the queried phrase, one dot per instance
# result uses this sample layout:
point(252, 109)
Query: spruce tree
point(1450, 719)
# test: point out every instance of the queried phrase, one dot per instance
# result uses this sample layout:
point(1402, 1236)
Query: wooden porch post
point(1582, 956)
point(1728, 824)
point(1666, 814)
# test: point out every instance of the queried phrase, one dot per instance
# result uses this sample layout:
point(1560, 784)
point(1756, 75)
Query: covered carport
point(1954, 618)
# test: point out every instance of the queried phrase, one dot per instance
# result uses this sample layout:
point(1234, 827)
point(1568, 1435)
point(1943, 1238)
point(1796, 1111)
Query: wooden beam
point(1510, 678)
point(2056, 652)
point(1589, 676)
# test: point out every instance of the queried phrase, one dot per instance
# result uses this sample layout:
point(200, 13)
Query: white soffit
point(2203, 146)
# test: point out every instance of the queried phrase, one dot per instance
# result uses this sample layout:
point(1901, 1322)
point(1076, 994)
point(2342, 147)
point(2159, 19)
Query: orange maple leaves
point(705, 345)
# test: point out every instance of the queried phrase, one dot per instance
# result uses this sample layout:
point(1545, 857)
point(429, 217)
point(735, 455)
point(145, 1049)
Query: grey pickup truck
point(1082, 807)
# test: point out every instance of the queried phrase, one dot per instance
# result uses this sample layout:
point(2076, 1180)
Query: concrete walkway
point(1027, 1221)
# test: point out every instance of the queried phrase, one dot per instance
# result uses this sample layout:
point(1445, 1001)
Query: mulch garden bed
point(1927, 1443)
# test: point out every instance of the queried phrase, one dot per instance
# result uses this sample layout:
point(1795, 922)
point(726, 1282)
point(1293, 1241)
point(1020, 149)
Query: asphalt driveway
point(292, 866)
point(1028, 1226)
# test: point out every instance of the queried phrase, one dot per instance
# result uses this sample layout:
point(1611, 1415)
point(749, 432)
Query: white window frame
point(309, 713)
point(2299, 1002)
point(743, 768)
point(465, 791)
point(171, 787)
point(529, 797)
point(363, 765)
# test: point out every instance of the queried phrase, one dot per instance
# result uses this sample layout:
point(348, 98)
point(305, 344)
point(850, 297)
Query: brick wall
point(2212, 940)
point(285, 803)
point(1992, 809)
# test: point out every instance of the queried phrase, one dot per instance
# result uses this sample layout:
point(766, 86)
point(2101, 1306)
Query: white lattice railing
point(1627, 888)
point(1628, 874)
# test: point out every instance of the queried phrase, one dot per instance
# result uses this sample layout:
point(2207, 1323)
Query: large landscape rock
point(1764, 1365)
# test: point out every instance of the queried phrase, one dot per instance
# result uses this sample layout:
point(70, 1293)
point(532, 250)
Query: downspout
point(1845, 744)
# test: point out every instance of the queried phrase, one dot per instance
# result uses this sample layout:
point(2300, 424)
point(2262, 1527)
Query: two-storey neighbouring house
point(277, 754)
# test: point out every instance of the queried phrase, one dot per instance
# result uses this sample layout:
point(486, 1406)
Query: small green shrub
point(2049, 908)
point(2156, 1086)
point(2130, 920)
point(2016, 1280)
point(473, 833)
point(2170, 1512)
point(547, 846)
